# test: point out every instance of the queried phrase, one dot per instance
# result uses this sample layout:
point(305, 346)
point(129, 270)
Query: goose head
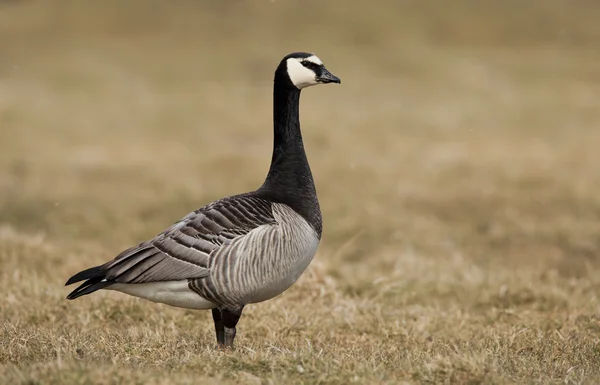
point(302, 69)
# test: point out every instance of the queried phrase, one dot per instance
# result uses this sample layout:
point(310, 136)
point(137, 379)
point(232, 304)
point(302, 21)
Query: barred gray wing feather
point(184, 250)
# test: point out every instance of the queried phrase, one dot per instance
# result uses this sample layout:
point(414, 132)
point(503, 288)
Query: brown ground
point(458, 169)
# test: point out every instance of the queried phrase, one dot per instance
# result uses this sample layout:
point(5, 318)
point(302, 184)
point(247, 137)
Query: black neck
point(290, 180)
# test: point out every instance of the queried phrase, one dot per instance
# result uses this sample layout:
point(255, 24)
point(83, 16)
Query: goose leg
point(230, 319)
point(219, 326)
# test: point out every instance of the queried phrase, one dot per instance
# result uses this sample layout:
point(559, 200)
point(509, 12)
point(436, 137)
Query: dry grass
point(457, 167)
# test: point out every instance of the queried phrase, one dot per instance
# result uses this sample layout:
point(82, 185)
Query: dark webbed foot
point(225, 323)
point(229, 337)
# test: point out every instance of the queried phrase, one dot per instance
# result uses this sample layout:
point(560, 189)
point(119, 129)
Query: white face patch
point(301, 76)
point(314, 59)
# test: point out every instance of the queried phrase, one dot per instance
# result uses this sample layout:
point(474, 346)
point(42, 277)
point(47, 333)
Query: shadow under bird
point(241, 249)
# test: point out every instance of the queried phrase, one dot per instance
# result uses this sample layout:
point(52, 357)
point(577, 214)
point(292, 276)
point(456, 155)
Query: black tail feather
point(95, 280)
point(89, 286)
point(93, 272)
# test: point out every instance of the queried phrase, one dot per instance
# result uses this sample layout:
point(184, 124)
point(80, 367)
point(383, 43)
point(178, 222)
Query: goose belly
point(173, 293)
point(282, 277)
point(283, 262)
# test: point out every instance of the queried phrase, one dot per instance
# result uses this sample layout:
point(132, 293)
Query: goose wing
point(184, 250)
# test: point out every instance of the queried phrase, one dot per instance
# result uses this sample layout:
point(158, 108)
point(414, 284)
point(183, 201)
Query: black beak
point(327, 77)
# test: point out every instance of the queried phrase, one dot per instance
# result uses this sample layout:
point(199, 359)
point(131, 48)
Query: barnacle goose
point(241, 249)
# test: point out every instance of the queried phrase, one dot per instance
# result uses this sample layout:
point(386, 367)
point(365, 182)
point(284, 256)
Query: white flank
point(300, 76)
point(174, 293)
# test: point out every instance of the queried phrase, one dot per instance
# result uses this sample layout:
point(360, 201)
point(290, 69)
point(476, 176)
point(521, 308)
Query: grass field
point(457, 165)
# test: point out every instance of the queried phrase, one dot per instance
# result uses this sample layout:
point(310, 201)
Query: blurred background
point(465, 135)
point(469, 126)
